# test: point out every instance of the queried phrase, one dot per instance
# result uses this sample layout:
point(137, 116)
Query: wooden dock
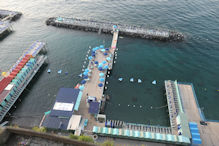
point(106, 27)
point(208, 133)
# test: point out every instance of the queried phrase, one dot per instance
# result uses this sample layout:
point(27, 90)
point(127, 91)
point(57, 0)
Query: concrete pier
point(105, 27)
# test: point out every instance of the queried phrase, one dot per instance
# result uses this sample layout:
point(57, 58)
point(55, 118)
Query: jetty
point(106, 27)
point(20, 75)
point(5, 18)
point(5, 28)
point(9, 15)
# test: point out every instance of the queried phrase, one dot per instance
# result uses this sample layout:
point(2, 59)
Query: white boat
point(132, 80)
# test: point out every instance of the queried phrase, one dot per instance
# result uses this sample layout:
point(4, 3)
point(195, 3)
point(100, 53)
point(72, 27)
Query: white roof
point(9, 87)
point(63, 106)
point(74, 122)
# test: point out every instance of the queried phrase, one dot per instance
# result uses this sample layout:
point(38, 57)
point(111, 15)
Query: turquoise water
point(193, 60)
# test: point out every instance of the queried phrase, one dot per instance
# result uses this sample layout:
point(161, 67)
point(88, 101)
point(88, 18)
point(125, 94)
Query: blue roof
point(65, 95)
point(196, 139)
point(94, 107)
point(55, 122)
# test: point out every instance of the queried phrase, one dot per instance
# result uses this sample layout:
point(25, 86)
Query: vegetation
point(72, 136)
point(37, 129)
point(108, 143)
point(86, 138)
point(82, 138)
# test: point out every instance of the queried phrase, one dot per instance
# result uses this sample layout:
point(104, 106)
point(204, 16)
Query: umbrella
point(100, 68)
point(108, 58)
point(93, 52)
point(83, 82)
point(81, 87)
point(93, 55)
point(101, 74)
point(102, 79)
point(85, 73)
point(101, 64)
point(87, 70)
point(107, 49)
point(105, 54)
point(90, 57)
point(85, 77)
point(106, 67)
point(96, 62)
point(104, 62)
point(100, 85)
point(101, 46)
point(103, 50)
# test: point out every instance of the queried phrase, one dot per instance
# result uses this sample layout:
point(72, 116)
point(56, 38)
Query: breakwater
point(106, 27)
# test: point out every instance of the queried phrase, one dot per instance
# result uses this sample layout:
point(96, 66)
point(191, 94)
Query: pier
point(105, 27)
point(19, 76)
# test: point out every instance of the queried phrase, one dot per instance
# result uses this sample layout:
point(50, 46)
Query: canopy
point(107, 49)
point(104, 62)
point(105, 54)
point(101, 46)
point(100, 85)
point(83, 82)
point(101, 64)
point(96, 62)
point(85, 77)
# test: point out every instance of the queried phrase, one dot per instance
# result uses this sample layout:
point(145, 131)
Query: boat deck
point(209, 133)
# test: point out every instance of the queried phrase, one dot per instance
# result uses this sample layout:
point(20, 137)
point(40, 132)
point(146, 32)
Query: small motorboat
point(60, 71)
point(132, 80)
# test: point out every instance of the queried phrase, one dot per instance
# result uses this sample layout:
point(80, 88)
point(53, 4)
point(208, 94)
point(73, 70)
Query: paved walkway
point(210, 133)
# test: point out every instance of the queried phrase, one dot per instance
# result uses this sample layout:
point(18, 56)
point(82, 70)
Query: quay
point(105, 27)
point(19, 76)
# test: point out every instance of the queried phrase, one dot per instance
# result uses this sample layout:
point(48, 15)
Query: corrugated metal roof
point(94, 107)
